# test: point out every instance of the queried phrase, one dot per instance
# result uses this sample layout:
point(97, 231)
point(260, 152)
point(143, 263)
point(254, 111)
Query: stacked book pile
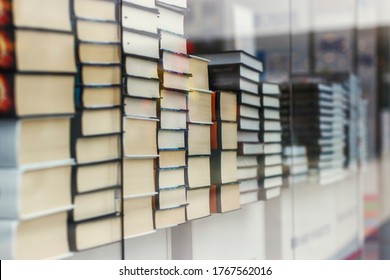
point(198, 177)
point(140, 48)
point(174, 73)
point(37, 74)
point(97, 130)
point(318, 123)
point(270, 167)
point(295, 165)
point(239, 72)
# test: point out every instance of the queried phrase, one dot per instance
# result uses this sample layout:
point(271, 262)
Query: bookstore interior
point(194, 129)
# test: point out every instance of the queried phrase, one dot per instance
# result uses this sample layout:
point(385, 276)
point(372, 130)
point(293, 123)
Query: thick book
point(97, 96)
point(170, 217)
point(26, 95)
point(198, 203)
point(176, 62)
point(199, 139)
point(254, 100)
point(170, 177)
point(171, 18)
point(142, 87)
point(173, 42)
point(141, 67)
point(267, 88)
point(199, 70)
point(224, 106)
point(231, 71)
point(170, 197)
point(140, 137)
point(94, 52)
point(140, 43)
point(99, 148)
point(224, 136)
point(169, 139)
point(173, 99)
point(235, 83)
point(28, 193)
point(223, 167)
point(198, 172)
point(236, 56)
point(39, 238)
point(171, 158)
point(140, 107)
point(199, 106)
point(175, 80)
point(28, 142)
point(172, 118)
point(225, 197)
point(98, 31)
point(96, 204)
point(140, 17)
point(92, 9)
point(138, 180)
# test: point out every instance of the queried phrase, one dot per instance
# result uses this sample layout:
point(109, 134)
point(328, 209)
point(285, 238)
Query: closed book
point(224, 106)
point(138, 178)
point(223, 167)
point(267, 88)
point(171, 158)
point(98, 31)
point(230, 71)
point(51, 52)
point(44, 237)
point(245, 148)
point(171, 99)
point(253, 100)
point(175, 80)
point(94, 52)
point(25, 95)
point(171, 18)
point(91, 9)
point(139, 17)
point(140, 107)
point(173, 119)
point(236, 56)
point(198, 203)
point(172, 139)
point(173, 42)
point(138, 216)
point(199, 139)
point(224, 197)
point(28, 193)
point(199, 70)
point(28, 142)
point(141, 67)
point(233, 83)
point(142, 87)
point(95, 232)
point(170, 177)
point(97, 96)
point(224, 136)
point(198, 172)
point(176, 62)
point(249, 124)
point(245, 173)
point(97, 148)
point(100, 74)
point(246, 111)
point(199, 106)
point(140, 137)
point(140, 43)
point(171, 197)
point(170, 217)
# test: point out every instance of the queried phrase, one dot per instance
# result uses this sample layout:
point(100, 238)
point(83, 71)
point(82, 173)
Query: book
point(171, 139)
point(173, 42)
point(224, 106)
point(141, 67)
point(171, 197)
point(175, 62)
point(223, 167)
point(22, 95)
point(198, 172)
point(198, 203)
point(171, 18)
point(235, 83)
point(224, 198)
point(231, 71)
point(139, 17)
point(199, 142)
point(97, 175)
point(92, 9)
point(236, 56)
point(170, 217)
point(267, 88)
point(100, 96)
point(98, 52)
point(199, 106)
point(173, 99)
point(108, 118)
point(138, 216)
point(175, 80)
point(142, 87)
point(51, 52)
point(99, 31)
point(100, 74)
point(140, 107)
point(249, 124)
point(270, 193)
point(140, 137)
point(29, 13)
point(95, 232)
point(224, 136)
point(244, 173)
point(43, 237)
point(29, 193)
point(254, 100)
point(199, 70)
point(247, 148)
point(97, 149)
point(29, 142)
point(96, 204)
point(140, 43)
point(170, 177)
point(172, 158)
point(248, 112)
point(138, 178)
point(173, 119)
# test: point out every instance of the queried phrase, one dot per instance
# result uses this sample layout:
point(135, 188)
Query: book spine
point(7, 96)
point(7, 239)
point(9, 134)
point(9, 193)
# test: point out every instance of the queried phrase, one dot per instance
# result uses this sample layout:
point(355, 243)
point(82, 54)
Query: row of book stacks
point(110, 129)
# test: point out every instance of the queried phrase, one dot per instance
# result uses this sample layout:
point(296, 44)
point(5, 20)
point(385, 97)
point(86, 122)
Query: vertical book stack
point(37, 73)
point(140, 44)
point(270, 162)
point(171, 166)
point(239, 72)
point(97, 128)
point(198, 156)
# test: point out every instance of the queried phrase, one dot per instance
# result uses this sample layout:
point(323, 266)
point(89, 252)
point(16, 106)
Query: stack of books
point(37, 75)
point(319, 124)
point(174, 73)
point(225, 192)
point(239, 72)
point(97, 126)
point(295, 165)
point(270, 168)
point(140, 48)
point(198, 159)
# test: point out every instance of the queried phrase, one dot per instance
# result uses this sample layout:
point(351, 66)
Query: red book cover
point(5, 13)
point(7, 107)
